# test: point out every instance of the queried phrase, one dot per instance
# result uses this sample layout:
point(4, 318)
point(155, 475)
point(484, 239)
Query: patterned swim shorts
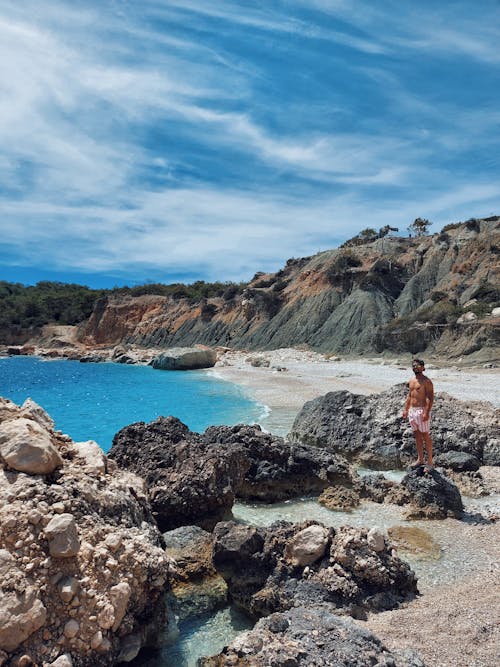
point(416, 419)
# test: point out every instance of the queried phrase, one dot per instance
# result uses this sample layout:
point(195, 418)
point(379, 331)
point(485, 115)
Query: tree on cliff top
point(419, 227)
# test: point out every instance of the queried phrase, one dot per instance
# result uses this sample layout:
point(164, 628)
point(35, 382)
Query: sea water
point(92, 401)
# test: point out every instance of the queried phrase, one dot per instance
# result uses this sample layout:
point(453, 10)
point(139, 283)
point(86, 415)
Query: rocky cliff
point(433, 293)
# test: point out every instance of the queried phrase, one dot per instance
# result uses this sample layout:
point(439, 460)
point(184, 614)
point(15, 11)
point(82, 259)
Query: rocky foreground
point(84, 565)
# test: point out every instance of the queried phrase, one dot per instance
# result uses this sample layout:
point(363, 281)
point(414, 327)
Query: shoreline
point(287, 378)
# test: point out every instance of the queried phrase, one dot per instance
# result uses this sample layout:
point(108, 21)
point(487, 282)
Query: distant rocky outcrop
point(185, 359)
point(82, 568)
point(393, 293)
point(371, 431)
point(349, 570)
point(194, 478)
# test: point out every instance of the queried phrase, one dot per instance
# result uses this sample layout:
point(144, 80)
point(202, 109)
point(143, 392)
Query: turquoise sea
point(93, 401)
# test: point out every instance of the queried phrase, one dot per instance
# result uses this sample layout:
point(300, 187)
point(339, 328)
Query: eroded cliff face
point(394, 293)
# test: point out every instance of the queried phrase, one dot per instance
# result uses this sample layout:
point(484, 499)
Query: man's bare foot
point(416, 464)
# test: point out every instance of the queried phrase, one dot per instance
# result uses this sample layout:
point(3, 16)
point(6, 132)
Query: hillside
point(394, 294)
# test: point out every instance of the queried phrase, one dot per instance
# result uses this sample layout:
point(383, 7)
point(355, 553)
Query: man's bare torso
point(420, 390)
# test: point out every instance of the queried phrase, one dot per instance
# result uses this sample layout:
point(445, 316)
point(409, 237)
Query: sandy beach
point(290, 377)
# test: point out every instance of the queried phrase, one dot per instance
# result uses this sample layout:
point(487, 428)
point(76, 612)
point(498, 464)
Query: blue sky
point(187, 139)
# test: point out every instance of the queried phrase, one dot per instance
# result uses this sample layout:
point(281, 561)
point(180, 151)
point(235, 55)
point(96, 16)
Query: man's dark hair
point(420, 362)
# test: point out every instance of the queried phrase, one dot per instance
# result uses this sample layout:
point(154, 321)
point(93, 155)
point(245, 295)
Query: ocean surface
point(93, 401)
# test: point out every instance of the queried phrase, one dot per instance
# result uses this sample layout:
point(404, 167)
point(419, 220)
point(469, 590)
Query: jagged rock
point(193, 478)
point(78, 551)
point(26, 446)
point(185, 359)
point(279, 470)
point(458, 461)
point(189, 481)
point(371, 431)
point(309, 637)
point(196, 588)
point(62, 534)
point(432, 495)
point(339, 498)
point(351, 577)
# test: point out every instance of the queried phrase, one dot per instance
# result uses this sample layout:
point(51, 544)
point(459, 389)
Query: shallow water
point(93, 401)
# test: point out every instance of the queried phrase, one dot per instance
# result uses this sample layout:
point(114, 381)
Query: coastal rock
point(354, 574)
point(26, 446)
point(81, 560)
point(307, 546)
point(185, 359)
point(432, 495)
point(309, 637)
point(458, 461)
point(193, 478)
point(189, 481)
point(371, 431)
point(278, 469)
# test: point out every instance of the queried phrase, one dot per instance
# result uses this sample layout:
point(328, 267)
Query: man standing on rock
point(418, 408)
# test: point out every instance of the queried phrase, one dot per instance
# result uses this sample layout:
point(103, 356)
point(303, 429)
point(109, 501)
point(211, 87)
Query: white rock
point(62, 534)
point(94, 459)
point(67, 587)
point(467, 317)
point(376, 540)
point(32, 410)
point(21, 614)
point(27, 447)
point(495, 312)
point(120, 595)
point(71, 628)
point(63, 661)
point(307, 546)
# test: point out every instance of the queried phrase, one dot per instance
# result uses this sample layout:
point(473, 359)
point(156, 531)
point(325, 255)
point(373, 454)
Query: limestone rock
point(120, 596)
point(458, 461)
point(32, 410)
point(27, 447)
point(185, 358)
point(62, 534)
point(21, 614)
point(307, 546)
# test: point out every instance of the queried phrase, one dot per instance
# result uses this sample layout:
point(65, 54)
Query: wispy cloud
point(227, 136)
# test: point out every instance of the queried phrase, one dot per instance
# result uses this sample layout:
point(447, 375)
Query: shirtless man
point(418, 408)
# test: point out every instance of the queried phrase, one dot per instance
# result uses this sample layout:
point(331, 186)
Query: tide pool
point(94, 401)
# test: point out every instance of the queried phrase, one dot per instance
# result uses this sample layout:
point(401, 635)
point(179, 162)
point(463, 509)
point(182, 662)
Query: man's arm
point(429, 398)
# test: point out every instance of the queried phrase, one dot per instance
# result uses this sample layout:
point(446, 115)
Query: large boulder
point(185, 359)
point(82, 568)
point(189, 481)
point(26, 446)
point(309, 637)
point(273, 569)
point(371, 431)
point(432, 495)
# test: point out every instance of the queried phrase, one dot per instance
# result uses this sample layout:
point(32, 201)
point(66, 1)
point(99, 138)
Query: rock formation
point(185, 359)
point(82, 569)
point(371, 431)
point(286, 565)
point(195, 478)
point(394, 293)
point(309, 637)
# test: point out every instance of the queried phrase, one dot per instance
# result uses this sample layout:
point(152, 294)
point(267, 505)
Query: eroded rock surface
point(194, 478)
point(185, 359)
point(371, 431)
point(346, 569)
point(82, 568)
point(432, 495)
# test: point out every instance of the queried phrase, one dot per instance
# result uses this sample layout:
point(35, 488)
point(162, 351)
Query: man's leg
point(420, 447)
point(428, 447)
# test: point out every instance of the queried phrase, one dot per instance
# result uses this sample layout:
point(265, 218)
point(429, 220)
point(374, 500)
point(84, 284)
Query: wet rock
point(185, 358)
point(432, 495)
point(308, 637)
point(350, 577)
point(339, 498)
point(27, 447)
